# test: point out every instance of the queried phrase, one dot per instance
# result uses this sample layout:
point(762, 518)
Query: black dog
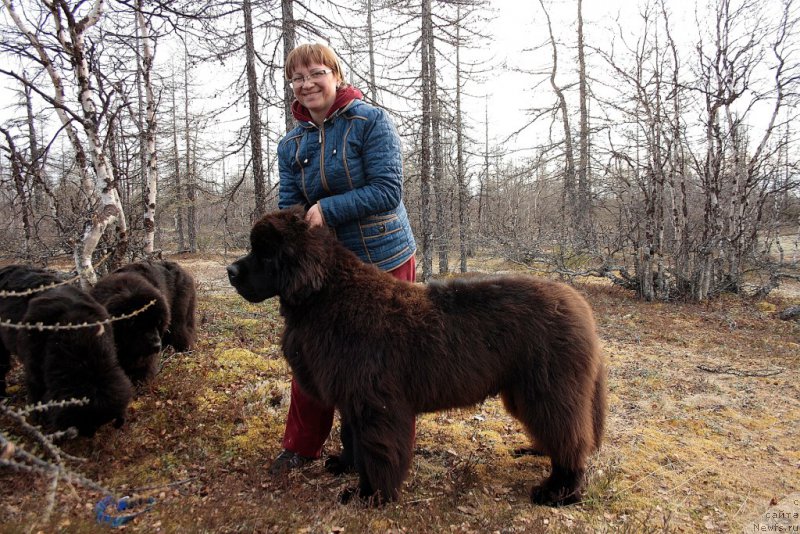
point(382, 350)
point(169, 321)
point(66, 363)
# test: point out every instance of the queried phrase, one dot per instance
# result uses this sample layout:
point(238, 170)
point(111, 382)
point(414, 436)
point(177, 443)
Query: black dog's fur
point(382, 350)
point(170, 321)
point(63, 364)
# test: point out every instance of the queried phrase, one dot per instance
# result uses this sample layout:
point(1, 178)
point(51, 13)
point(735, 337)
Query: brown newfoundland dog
point(382, 350)
point(62, 364)
point(170, 321)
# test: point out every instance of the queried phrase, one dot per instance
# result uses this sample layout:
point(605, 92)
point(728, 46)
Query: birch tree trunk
point(677, 174)
point(151, 182)
point(109, 209)
point(191, 193)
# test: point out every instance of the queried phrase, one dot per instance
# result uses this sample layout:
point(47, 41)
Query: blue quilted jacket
point(353, 167)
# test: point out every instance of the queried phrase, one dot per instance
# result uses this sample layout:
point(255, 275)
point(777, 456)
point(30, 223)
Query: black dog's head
point(138, 338)
point(286, 259)
point(74, 363)
point(109, 392)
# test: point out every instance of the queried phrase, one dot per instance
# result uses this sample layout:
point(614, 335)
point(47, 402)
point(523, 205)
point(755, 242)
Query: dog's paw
point(374, 500)
point(347, 495)
point(527, 451)
point(547, 495)
point(336, 466)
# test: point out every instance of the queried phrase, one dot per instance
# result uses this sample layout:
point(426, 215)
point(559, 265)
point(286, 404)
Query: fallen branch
point(6, 323)
point(789, 313)
point(49, 462)
point(728, 370)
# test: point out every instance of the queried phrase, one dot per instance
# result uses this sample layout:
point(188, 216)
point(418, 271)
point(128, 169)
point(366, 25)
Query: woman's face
point(317, 92)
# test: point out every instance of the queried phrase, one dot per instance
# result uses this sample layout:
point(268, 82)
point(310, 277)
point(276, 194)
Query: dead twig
point(791, 312)
point(729, 370)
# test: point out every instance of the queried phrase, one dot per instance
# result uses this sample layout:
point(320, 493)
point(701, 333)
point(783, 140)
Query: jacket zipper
point(321, 139)
point(302, 166)
point(322, 177)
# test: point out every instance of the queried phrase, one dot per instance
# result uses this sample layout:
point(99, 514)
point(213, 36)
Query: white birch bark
point(151, 125)
point(109, 209)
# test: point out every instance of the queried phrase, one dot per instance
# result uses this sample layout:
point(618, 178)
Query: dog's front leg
point(345, 462)
point(382, 448)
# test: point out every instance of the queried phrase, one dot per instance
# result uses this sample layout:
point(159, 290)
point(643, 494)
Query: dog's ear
point(44, 309)
point(279, 231)
point(295, 224)
point(47, 308)
point(298, 212)
point(55, 306)
point(303, 278)
point(303, 257)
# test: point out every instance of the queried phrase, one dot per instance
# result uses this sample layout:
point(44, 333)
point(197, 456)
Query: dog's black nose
point(233, 272)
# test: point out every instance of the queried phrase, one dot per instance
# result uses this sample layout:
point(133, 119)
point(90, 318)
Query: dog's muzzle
point(233, 273)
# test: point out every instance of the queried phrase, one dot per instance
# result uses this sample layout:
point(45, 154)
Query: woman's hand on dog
point(314, 216)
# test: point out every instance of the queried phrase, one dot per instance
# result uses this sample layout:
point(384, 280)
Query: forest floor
point(703, 435)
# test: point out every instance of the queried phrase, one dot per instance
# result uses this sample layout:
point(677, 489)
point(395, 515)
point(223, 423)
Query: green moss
point(256, 436)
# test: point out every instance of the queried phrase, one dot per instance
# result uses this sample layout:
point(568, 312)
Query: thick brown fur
point(64, 364)
point(382, 350)
point(171, 321)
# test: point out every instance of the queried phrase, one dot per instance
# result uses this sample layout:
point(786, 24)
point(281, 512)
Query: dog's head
point(287, 259)
point(109, 393)
point(139, 337)
point(74, 363)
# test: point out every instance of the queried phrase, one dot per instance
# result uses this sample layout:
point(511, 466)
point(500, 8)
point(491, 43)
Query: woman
point(343, 162)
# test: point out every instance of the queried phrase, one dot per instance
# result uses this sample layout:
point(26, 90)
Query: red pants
point(309, 422)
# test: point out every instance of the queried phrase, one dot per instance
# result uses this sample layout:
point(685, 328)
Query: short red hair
point(306, 54)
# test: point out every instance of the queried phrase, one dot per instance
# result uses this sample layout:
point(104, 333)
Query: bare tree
point(288, 37)
point(189, 177)
point(255, 115)
point(694, 212)
point(733, 172)
point(426, 140)
point(151, 173)
point(570, 199)
point(584, 193)
point(20, 186)
point(70, 25)
point(179, 188)
point(461, 178)
point(441, 242)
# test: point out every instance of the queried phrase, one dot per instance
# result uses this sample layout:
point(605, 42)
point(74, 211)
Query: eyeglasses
point(315, 76)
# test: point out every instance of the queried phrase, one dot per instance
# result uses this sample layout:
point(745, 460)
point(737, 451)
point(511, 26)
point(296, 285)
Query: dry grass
point(687, 449)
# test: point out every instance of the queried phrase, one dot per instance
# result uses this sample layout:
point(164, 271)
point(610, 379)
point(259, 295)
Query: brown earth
point(704, 432)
